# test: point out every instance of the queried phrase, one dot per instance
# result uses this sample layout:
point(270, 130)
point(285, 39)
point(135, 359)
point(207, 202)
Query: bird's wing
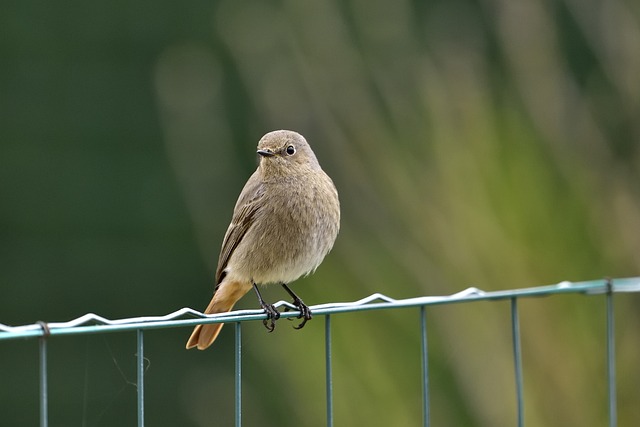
point(244, 213)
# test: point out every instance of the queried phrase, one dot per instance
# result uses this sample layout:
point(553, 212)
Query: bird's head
point(285, 152)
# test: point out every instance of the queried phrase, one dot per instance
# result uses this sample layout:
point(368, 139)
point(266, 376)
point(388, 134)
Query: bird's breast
point(294, 229)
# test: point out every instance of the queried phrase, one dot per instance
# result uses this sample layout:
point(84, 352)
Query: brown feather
point(225, 297)
point(243, 218)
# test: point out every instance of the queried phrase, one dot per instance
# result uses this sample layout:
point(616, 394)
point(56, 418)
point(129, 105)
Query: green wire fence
point(94, 324)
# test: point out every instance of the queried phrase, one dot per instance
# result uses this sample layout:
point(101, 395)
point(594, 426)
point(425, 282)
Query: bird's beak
point(266, 153)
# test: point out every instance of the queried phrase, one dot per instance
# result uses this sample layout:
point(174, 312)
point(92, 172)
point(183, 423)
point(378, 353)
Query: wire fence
point(94, 324)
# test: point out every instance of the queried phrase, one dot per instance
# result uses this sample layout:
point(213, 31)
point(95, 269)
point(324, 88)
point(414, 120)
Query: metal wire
point(517, 360)
point(611, 358)
point(238, 374)
point(328, 369)
point(44, 417)
point(140, 382)
point(92, 324)
point(425, 367)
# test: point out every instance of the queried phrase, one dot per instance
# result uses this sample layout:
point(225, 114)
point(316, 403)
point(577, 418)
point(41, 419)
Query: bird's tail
point(225, 297)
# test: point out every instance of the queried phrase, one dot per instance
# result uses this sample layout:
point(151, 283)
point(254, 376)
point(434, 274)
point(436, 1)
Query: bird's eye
point(291, 150)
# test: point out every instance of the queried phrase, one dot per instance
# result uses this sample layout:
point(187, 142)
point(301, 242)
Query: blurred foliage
point(490, 143)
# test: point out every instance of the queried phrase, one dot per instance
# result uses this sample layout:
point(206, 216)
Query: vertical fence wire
point(140, 367)
point(44, 416)
point(517, 360)
point(328, 368)
point(425, 367)
point(238, 374)
point(611, 359)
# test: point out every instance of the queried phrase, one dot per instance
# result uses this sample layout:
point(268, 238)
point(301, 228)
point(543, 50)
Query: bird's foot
point(305, 311)
point(269, 309)
point(272, 315)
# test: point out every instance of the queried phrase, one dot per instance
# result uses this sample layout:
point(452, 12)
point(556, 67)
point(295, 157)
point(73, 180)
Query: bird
point(284, 223)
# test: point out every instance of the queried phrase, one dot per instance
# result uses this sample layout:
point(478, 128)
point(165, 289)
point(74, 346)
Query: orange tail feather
point(223, 301)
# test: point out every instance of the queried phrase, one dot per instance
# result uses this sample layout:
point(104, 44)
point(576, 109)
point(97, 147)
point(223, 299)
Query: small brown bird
point(284, 223)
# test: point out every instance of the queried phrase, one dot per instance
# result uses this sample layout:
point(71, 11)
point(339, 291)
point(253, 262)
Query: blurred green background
point(489, 143)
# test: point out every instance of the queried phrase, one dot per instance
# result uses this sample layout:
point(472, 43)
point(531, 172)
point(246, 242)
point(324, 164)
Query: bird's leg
point(269, 309)
point(305, 312)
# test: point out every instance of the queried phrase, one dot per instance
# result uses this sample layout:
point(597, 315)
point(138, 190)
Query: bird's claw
point(272, 315)
point(305, 312)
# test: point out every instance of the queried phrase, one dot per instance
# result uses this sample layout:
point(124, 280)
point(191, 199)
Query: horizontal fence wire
point(94, 324)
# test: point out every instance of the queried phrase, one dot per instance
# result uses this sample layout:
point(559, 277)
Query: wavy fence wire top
point(94, 324)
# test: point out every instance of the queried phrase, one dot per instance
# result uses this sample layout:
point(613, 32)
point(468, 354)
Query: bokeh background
point(488, 143)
